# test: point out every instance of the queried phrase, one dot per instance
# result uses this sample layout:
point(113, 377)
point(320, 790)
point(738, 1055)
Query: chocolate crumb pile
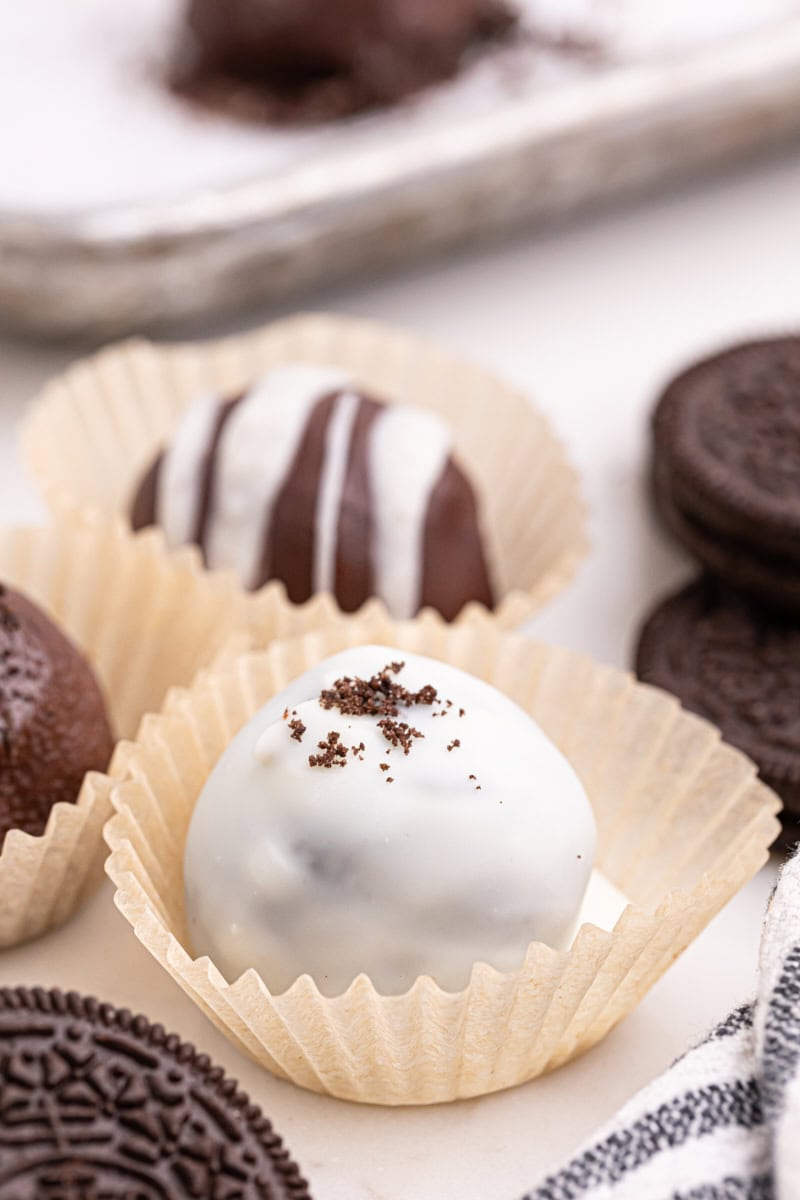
point(380, 696)
point(399, 733)
point(333, 753)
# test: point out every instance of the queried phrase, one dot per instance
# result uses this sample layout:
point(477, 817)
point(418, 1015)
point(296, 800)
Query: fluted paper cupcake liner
point(683, 824)
point(96, 427)
point(145, 619)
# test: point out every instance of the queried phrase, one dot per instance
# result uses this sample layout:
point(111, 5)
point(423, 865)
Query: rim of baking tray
point(769, 60)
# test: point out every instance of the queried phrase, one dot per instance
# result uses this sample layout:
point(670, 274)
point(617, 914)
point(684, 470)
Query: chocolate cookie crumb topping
point(399, 733)
point(379, 696)
point(334, 754)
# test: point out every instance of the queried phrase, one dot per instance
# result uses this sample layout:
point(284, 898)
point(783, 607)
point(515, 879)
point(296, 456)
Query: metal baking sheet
point(219, 218)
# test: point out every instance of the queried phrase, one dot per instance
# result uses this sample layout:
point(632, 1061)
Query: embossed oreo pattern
point(726, 457)
point(727, 432)
point(737, 665)
point(98, 1104)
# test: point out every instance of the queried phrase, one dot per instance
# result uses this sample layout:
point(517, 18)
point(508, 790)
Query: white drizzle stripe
point(180, 477)
point(408, 451)
point(254, 457)
point(329, 496)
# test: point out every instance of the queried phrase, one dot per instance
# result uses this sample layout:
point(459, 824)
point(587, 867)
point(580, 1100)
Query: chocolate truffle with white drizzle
point(306, 479)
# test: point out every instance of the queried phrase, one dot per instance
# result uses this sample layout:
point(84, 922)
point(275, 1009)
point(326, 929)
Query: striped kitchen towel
point(724, 1122)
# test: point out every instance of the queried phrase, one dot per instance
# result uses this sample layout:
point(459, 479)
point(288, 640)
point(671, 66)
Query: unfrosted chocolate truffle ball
point(305, 479)
point(317, 59)
point(53, 722)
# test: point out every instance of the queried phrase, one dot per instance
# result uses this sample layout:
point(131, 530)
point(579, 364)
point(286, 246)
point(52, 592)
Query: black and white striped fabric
point(724, 1122)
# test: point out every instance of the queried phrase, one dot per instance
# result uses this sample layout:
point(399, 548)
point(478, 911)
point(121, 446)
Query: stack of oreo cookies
point(726, 474)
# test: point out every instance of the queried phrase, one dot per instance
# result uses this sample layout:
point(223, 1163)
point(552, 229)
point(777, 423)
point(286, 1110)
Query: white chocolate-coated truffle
point(477, 842)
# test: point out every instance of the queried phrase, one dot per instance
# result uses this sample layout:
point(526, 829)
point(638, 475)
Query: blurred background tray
point(165, 216)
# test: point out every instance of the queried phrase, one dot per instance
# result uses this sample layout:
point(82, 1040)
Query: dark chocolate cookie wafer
point(97, 1102)
point(729, 660)
point(727, 466)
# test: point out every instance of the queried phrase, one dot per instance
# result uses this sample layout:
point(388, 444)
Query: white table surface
point(590, 319)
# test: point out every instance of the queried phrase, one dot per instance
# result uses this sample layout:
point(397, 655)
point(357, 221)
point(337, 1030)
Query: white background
point(590, 319)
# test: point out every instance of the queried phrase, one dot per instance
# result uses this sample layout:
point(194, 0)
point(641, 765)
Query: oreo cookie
point(726, 439)
point(97, 1102)
point(731, 661)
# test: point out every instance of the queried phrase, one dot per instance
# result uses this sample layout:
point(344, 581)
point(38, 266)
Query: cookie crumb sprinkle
point(399, 733)
point(298, 729)
point(379, 696)
point(333, 753)
point(383, 696)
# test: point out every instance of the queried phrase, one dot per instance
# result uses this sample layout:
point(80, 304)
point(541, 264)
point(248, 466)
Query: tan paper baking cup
point(145, 619)
point(683, 825)
point(96, 427)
